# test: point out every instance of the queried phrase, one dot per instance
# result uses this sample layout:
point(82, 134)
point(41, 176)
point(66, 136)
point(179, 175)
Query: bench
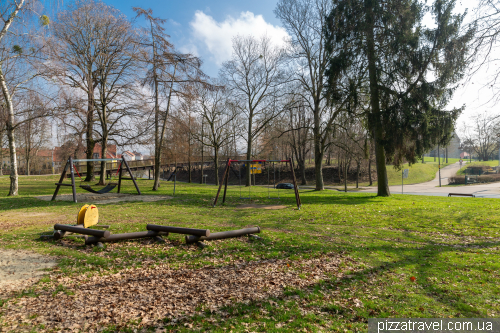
point(462, 194)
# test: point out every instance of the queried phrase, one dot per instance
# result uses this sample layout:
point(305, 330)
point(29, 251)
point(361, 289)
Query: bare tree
point(118, 104)
point(486, 42)
point(17, 33)
point(167, 71)
point(305, 20)
point(481, 133)
point(254, 76)
point(33, 128)
point(217, 114)
point(352, 140)
point(74, 49)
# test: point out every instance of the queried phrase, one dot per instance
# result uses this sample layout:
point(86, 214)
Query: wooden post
point(225, 183)
point(132, 176)
point(72, 178)
point(221, 182)
point(58, 185)
point(120, 175)
point(297, 197)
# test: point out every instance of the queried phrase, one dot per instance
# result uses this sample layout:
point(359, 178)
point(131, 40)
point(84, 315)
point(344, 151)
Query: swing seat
point(108, 188)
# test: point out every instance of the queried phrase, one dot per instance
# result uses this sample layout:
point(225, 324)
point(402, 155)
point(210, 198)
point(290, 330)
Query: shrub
point(456, 180)
point(489, 178)
point(477, 169)
point(480, 179)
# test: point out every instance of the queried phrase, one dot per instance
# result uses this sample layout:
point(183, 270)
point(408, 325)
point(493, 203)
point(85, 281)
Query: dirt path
point(19, 269)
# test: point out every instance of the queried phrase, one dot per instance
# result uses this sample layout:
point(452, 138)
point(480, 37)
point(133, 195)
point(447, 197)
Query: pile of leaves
point(149, 295)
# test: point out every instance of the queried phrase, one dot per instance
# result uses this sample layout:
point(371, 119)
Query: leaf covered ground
point(330, 266)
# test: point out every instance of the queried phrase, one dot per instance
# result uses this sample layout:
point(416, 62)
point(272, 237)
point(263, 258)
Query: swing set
point(70, 164)
point(225, 178)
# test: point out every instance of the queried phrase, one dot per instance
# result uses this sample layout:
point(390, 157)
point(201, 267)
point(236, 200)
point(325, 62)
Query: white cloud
point(216, 37)
point(174, 23)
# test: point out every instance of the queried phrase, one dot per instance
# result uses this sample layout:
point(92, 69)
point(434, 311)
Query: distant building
point(138, 156)
point(452, 150)
point(128, 155)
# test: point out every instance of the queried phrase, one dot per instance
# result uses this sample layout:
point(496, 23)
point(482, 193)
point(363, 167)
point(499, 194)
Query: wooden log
point(117, 237)
point(254, 237)
point(58, 234)
point(46, 237)
point(158, 239)
point(85, 231)
point(178, 230)
point(222, 235)
point(201, 245)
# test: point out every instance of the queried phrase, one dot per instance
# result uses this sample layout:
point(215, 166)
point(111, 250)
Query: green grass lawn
point(403, 256)
point(417, 173)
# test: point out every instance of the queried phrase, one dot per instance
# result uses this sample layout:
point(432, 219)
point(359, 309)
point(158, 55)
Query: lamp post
point(439, 166)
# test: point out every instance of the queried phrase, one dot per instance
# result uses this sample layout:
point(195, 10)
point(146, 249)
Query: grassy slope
point(418, 173)
point(490, 163)
point(451, 246)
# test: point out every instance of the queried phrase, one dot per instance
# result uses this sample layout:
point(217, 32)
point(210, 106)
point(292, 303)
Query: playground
point(339, 260)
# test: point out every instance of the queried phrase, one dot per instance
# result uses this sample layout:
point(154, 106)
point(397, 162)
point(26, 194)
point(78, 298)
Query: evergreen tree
point(411, 72)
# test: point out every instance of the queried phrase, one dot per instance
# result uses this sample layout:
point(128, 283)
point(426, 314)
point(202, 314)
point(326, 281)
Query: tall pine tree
point(411, 72)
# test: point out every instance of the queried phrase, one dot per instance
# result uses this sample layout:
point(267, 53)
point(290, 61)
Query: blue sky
point(206, 27)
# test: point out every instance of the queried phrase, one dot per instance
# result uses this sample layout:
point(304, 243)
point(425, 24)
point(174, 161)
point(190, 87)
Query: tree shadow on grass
point(455, 301)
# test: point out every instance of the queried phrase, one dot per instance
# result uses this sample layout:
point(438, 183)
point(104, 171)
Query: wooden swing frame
point(225, 178)
point(71, 166)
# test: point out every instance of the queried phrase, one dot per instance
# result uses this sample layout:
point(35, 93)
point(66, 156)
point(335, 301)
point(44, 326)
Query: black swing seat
point(108, 188)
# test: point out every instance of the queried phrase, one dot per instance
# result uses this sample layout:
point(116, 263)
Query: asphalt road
point(432, 188)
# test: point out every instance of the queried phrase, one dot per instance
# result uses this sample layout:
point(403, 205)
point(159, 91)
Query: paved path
point(491, 190)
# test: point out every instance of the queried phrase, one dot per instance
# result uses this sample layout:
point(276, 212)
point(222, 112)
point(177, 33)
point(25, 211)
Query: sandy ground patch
point(20, 269)
point(159, 292)
point(271, 207)
point(106, 198)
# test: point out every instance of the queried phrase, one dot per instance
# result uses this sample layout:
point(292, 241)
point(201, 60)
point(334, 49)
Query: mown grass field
point(403, 256)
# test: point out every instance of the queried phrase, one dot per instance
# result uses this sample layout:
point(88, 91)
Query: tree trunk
point(339, 162)
point(345, 176)
point(382, 181)
point(14, 186)
point(104, 151)
point(446, 152)
point(302, 165)
point(201, 177)
point(318, 153)
point(89, 130)
point(216, 165)
point(357, 174)
point(161, 135)
point(248, 180)
point(189, 156)
point(370, 171)
point(1, 153)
